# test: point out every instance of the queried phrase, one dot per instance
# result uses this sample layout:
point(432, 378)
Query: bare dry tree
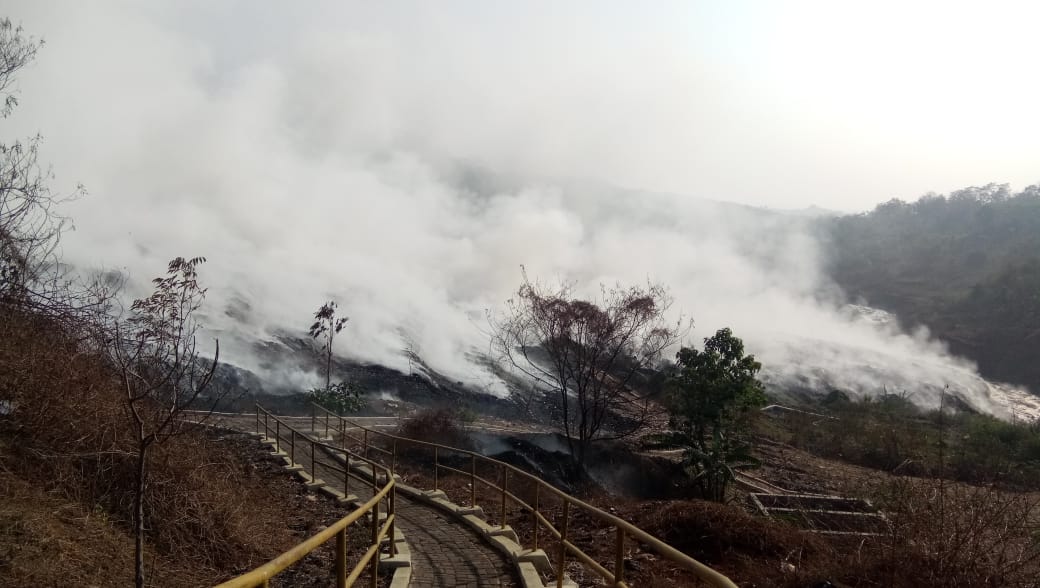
point(17, 51)
point(587, 354)
point(30, 226)
point(162, 371)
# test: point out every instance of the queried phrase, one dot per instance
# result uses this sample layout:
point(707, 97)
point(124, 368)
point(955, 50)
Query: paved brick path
point(447, 554)
point(444, 552)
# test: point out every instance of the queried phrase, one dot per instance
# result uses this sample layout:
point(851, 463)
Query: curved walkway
point(443, 552)
point(448, 554)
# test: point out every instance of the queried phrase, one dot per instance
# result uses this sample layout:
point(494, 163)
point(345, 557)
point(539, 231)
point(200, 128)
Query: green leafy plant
point(340, 398)
point(714, 395)
point(466, 415)
point(713, 467)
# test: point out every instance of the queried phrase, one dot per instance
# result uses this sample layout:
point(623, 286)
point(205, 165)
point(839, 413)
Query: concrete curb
point(530, 564)
point(401, 564)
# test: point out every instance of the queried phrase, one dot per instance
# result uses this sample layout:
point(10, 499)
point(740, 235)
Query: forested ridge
point(966, 265)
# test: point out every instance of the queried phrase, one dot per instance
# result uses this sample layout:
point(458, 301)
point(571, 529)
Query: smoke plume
point(410, 180)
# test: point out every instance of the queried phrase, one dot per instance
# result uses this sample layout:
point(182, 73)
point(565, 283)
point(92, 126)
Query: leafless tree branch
point(587, 354)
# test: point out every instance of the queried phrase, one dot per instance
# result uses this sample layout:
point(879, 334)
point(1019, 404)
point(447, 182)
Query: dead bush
point(940, 535)
point(63, 426)
point(947, 534)
point(712, 532)
point(437, 425)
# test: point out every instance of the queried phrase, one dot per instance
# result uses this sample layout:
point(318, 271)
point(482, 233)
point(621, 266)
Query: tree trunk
point(565, 407)
point(139, 517)
point(328, 366)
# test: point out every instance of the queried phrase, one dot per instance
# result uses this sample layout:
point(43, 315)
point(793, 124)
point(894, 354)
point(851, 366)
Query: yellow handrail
point(623, 529)
point(263, 574)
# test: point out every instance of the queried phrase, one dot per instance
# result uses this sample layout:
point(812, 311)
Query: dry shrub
point(940, 535)
point(200, 509)
point(436, 425)
point(712, 532)
point(36, 526)
point(67, 430)
point(959, 535)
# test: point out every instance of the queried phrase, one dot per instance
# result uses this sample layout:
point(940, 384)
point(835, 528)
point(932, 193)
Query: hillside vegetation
point(67, 479)
point(892, 434)
point(966, 265)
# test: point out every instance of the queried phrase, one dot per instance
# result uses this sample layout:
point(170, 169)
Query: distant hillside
point(966, 265)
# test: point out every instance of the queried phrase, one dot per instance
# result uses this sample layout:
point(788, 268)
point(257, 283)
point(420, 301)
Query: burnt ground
point(386, 391)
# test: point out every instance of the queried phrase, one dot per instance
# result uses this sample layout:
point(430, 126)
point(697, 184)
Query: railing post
point(505, 477)
point(619, 557)
point(277, 435)
point(292, 447)
point(472, 481)
point(326, 424)
point(346, 474)
point(563, 543)
point(375, 541)
point(341, 558)
point(393, 523)
point(534, 513)
point(314, 472)
point(258, 419)
point(436, 468)
point(267, 429)
point(314, 417)
point(366, 450)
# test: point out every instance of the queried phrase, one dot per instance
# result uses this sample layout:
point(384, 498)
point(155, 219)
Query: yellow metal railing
point(622, 529)
point(262, 575)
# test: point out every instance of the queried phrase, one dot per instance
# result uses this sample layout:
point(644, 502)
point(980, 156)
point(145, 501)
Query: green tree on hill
point(714, 394)
point(966, 265)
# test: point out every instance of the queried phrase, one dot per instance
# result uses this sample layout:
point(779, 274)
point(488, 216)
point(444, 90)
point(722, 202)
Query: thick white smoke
point(309, 166)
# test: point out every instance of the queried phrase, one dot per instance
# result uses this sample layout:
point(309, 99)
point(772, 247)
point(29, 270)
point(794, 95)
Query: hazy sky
point(783, 104)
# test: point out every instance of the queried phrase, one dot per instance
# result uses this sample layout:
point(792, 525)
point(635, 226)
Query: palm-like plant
point(714, 465)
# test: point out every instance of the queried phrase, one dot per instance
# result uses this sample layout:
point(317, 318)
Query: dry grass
point(959, 535)
point(66, 456)
point(981, 537)
point(436, 425)
point(49, 541)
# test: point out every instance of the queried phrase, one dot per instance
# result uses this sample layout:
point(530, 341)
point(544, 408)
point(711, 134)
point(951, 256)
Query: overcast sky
point(783, 104)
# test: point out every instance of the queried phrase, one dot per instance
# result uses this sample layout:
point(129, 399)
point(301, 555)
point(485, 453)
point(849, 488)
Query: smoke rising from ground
point(308, 166)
